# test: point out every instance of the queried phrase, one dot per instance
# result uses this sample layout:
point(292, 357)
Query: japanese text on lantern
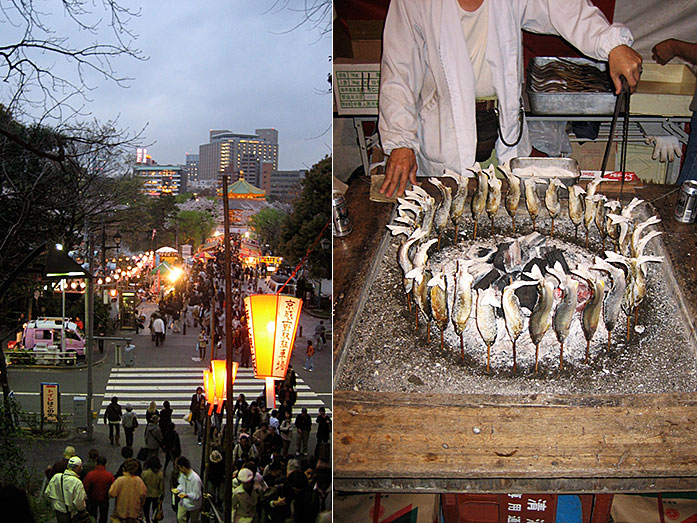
point(49, 403)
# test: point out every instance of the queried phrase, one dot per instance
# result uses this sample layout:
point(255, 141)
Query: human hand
point(665, 148)
point(663, 52)
point(280, 501)
point(624, 61)
point(401, 166)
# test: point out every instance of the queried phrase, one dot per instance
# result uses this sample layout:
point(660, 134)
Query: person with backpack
point(153, 436)
point(130, 424)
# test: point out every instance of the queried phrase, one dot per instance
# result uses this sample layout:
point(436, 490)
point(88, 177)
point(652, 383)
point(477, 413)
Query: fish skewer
point(439, 302)
point(417, 274)
point(564, 313)
point(513, 314)
point(613, 298)
point(513, 194)
point(576, 207)
point(591, 310)
point(457, 207)
point(486, 320)
point(462, 300)
point(541, 317)
point(532, 200)
point(479, 198)
point(493, 200)
point(600, 212)
point(442, 214)
point(591, 202)
point(613, 231)
point(552, 201)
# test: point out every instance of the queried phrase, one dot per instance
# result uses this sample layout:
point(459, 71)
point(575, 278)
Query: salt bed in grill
point(388, 353)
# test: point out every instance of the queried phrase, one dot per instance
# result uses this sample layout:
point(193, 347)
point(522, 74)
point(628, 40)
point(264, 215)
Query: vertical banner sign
point(288, 311)
point(50, 402)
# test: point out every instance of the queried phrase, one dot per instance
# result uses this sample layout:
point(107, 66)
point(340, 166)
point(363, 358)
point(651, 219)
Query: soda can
point(686, 209)
point(341, 223)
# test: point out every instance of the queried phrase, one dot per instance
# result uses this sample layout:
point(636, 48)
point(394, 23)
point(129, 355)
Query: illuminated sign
point(272, 260)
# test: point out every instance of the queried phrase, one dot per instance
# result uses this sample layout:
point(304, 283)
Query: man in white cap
point(245, 499)
point(67, 492)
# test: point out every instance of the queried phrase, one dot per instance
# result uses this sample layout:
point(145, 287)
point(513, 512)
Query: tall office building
point(235, 153)
point(161, 179)
point(191, 168)
point(283, 185)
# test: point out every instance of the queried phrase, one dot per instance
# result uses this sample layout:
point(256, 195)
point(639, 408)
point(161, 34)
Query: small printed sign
point(50, 401)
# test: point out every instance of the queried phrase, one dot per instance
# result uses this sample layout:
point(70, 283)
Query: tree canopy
point(311, 212)
point(268, 224)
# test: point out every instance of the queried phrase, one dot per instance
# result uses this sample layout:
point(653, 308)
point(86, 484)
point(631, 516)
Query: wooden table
point(473, 443)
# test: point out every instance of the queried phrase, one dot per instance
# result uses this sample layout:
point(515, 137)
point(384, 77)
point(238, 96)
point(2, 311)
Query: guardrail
point(41, 357)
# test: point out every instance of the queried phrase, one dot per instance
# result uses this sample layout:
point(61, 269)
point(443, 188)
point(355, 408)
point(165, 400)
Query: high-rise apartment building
point(283, 185)
point(232, 153)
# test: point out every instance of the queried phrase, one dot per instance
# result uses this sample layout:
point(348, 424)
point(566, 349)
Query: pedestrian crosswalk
point(140, 386)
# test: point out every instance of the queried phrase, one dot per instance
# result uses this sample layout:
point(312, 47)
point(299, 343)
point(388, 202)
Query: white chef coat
point(427, 82)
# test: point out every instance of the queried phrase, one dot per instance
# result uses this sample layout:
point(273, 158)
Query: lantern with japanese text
point(215, 383)
point(272, 320)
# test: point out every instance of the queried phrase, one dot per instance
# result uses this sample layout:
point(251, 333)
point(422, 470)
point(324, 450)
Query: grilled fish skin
point(479, 198)
point(614, 296)
point(442, 214)
point(590, 314)
point(493, 200)
point(439, 299)
point(457, 207)
point(513, 195)
point(576, 212)
point(462, 301)
point(486, 319)
point(532, 200)
point(564, 313)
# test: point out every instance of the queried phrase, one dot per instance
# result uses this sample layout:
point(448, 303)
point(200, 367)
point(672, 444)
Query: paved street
point(165, 372)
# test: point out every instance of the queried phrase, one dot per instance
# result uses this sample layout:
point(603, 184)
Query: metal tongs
point(621, 102)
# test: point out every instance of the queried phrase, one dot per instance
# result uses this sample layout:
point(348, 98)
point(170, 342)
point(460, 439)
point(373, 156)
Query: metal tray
point(570, 103)
point(567, 164)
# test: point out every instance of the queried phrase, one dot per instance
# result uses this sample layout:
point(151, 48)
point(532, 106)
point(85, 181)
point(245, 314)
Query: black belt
point(485, 105)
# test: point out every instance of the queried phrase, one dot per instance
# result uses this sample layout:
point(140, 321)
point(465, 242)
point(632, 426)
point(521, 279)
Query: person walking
point(159, 327)
point(245, 499)
point(324, 427)
point(304, 425)
point(310, 353)
point(153, 436)
point(153, 477)
point(129, 491)
point(171, 444)
point(240, 407)
point(66, 492)
point(165, 416)
point(112, 416)
point(130, 424)
point(189, 491)
point(216, 476)
point(201, 344)
point(152, 411)
point(286, 431)
point(320, 335)
point(195, 401)
point(97, 484)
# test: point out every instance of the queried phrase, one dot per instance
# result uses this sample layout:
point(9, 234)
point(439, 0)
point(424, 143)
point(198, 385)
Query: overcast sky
point(220, 64)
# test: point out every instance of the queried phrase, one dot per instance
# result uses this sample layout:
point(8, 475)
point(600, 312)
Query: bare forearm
point(685, 50)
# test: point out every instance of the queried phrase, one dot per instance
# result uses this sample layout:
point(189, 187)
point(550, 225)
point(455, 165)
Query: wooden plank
point(536, 443)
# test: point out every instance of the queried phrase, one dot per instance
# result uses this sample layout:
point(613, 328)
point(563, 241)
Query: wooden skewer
point(636, 315)
point(533, 223)
point(488, 356)
point(514, 359)
point(438, 246)
point(409, 301)
point(513, 220)
point(416, 317)
point(475, 229)
point(441, 339)
point(428, 332)
point(551, 233)
point(537, 352)
point(462, 349)
point(456, 232)
point(576, 232)
point(586, 238)
point(609, 334)
point(603, 243)
point(492, 226)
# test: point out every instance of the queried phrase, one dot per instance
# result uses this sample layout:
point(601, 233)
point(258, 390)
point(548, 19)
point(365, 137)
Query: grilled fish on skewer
point(405, 263)
point(541, 317)
point(552, 201)
point(443, 208)
point(591, 206)
point(493, 200)
point(642, 243)
point(457, 207)
point(576, 206)
point(622, 222)
point(591, 310)
point(512, 313)
point(613, 230)
point(513, 194)
point(600, 212)
point(417, 274)
point(532, 200)
point(637, 233)
point(462, 301)
point(486, 319)
point(479, 198)
point(439, 302)
point(564, 313)
point(613, 297)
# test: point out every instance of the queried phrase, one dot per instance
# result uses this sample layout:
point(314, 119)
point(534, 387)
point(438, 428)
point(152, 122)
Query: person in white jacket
point(439, 56)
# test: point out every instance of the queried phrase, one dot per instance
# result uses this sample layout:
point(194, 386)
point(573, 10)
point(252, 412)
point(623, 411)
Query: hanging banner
point(50, 401)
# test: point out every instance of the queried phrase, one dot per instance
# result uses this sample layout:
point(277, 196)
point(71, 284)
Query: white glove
point(665, 148)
